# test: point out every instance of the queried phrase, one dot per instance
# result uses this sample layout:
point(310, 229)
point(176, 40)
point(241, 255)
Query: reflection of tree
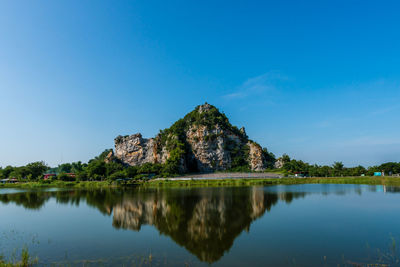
point(391, 189)
point(29, 200)
point(205, 221)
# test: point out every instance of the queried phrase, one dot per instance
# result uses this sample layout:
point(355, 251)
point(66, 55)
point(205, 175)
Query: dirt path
point(227, 175)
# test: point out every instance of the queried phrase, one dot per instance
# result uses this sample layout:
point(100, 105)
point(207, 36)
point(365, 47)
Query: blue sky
point(319, 80)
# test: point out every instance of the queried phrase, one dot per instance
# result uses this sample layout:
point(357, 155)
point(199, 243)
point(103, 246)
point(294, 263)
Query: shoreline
point(389, 181)
point(207, 182)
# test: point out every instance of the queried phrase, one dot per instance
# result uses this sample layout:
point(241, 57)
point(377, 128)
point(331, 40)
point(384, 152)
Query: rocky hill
point(203, 141)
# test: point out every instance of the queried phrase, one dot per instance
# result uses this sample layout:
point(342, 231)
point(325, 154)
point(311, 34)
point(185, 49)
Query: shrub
point(65, 177)
point(117, 175)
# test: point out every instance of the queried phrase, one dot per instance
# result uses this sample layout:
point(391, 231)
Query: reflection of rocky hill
point(205, 221)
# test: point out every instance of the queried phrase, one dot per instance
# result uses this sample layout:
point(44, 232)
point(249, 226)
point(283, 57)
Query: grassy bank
point(390, 181)
point(60, 184)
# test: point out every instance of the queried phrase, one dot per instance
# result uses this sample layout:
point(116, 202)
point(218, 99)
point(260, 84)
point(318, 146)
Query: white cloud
point(256, 85)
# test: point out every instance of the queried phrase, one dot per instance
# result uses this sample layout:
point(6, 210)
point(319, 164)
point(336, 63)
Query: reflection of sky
point(318, 188)
point(17, 190)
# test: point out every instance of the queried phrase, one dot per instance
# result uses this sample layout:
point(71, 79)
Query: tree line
point(337, 169)
point(97, 169)
point(103, 168)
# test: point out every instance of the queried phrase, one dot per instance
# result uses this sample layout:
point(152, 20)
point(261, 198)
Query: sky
point(318, 80)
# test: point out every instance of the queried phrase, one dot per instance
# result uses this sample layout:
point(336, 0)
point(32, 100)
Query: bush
point(82, 176)
point(131, 171)
point(117, 175)
point(66, 177)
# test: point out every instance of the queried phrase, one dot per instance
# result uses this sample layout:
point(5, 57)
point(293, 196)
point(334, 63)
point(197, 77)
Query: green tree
point(117, 175)
point(19, 173)
point(338, 168)
point(96, 169)
point(65, 177)
point(357, 171)
point(269, 158)
point(77, 167)
point(113, 167)
point(36, 169)
point(7, 170)
point(102, 156)
point(82, 175)
point(65, 168)
point(285, 158)
point(131, 171)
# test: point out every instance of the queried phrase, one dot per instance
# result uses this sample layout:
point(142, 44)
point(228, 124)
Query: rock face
point(256, 157)
point(279, 163)
point(135, 150)
point(203, 141)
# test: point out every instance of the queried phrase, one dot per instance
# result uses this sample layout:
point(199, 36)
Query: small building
point(49, 175)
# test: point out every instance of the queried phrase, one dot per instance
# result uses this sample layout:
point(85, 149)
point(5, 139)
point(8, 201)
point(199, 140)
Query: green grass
point(61, 184)
point(25, 261)
point(391, 181)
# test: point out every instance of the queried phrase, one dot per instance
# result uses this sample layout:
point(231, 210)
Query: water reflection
point(205, 221)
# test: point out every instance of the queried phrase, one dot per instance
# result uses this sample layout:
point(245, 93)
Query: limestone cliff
point(203, 141)
point(136, 150)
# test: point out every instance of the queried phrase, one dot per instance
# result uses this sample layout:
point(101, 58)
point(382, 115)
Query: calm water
point(300, 225)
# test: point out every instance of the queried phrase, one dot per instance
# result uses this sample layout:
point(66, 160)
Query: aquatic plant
point(26, 260)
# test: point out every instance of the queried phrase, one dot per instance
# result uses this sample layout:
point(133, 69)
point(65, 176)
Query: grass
point(390, 181)
point(60, 184)
point(26, 260)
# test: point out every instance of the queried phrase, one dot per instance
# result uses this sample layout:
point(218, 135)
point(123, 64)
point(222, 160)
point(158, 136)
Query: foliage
point(7, 170)
point(73, 167)
point(150, 168)
point(31, 171)
point(26, 260)
point(113, 167)
point(96, 169)
point(131, 171)
point(117, 175)
point(240, 168)
point(240, 155)
point(337, 169)
point(269, 158)
point(102, 156)
point(65, 177)
point(285, 158)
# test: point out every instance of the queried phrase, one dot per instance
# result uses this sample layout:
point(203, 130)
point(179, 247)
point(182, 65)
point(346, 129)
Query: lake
point(296, 225)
